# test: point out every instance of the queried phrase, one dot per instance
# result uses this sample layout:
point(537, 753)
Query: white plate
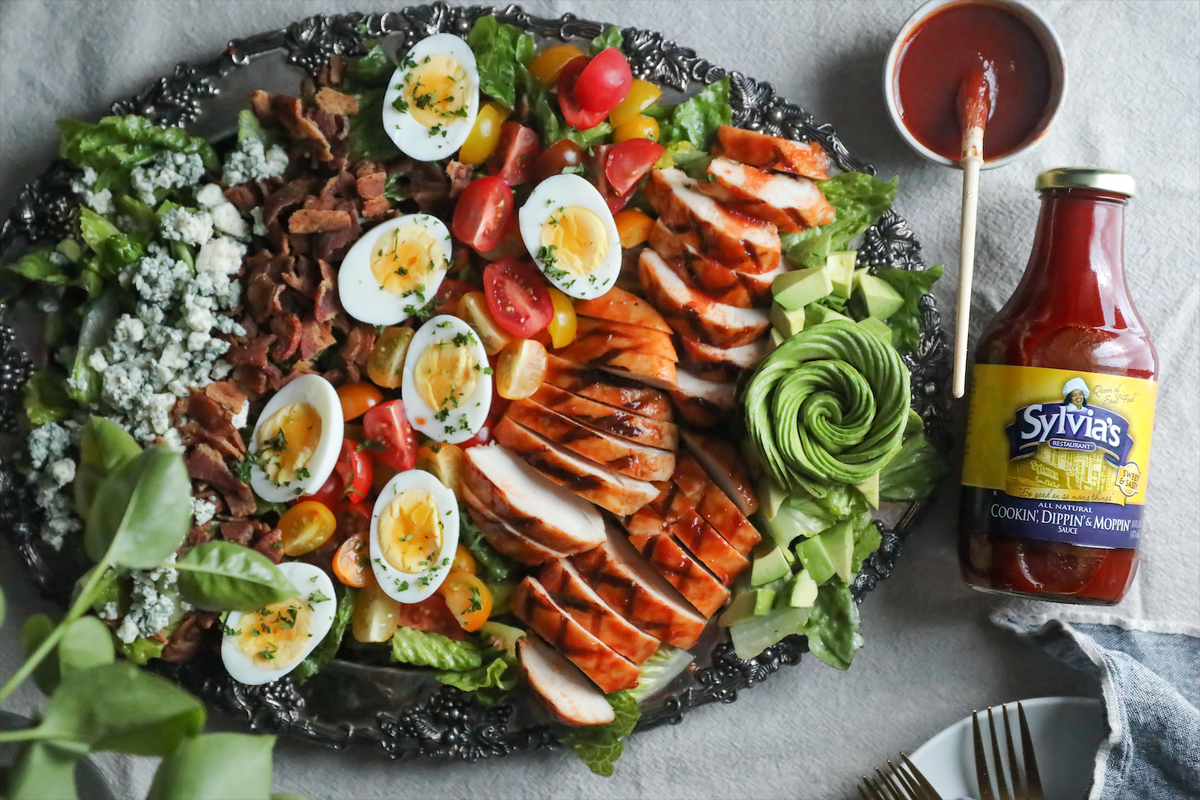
point(1066, 733)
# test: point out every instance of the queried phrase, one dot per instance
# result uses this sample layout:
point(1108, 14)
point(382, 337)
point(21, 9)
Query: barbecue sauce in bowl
point(942, 51)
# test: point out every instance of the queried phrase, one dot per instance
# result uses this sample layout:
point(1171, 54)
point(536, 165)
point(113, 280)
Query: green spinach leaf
point(501, 51)
point(104, 446)
point(216, 766)
point(223, 576)
point(86, 644)
point(43, 771)
point(35, 630)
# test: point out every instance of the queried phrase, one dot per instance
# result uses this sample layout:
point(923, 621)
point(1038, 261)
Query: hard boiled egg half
point(447, 389)
point(414, 533)
point(569, 231)
point(296, 440)
point(394, 269)
point(432, 99)
point(264, 645)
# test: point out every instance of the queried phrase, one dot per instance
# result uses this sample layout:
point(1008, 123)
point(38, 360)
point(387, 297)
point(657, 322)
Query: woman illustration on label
point(1076, 394)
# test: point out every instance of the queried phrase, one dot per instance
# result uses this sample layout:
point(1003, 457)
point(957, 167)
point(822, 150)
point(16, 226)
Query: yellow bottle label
point(1065, 453)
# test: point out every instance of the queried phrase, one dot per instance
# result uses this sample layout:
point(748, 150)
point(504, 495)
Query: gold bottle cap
point(1104, 180)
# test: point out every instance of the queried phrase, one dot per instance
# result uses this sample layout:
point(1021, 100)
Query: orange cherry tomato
point(468, 599)
point(352, 562)
point(357, 399)
point(633, 227)
point(547, 64)
point(305, 527)
point(463, 560)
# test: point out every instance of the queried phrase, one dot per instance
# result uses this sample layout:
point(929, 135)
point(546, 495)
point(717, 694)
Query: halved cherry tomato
point(518, 296)
point(357, 399)
point(484, 135)
point(449, 293)
point(513, 159)
point(641, 127)
point(330, 493)
point(305, 527)
point(473, 310)
point(520, 369)
point(388, 425)
point(354, 468)
point(562, 326)
point(482, 214)
point(554, 159)
point(468, 598)
point(629, 161)
point(385, 364)
point(463, 560)
point(575, 114)
point(431, 615)
point(604, 82)
point(547, 64)
point(633, 227)
point(641, 94)
point(352, 518)
point(352, 562)
point(375, 614)
point(511, 245)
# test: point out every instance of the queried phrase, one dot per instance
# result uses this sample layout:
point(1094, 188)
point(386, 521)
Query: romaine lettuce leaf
point(33, 267)
point(490, 683)
point(912, 284)
point(913, 472)
point(98, 322)
point(250, 129)
point(374, 68)
point(866, 540)
point(697, 119)
point(327, 648)
point(833, 623)
point(495, 567)
point(126, 142)
point(659, 670)
point(611, 37)
point(500, 51)
point(427, 649)
point(599, 746)
point(798, 516)
point(859, 199)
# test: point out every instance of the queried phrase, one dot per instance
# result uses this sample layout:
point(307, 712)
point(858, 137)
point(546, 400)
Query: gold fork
point(1028, 788)
point(898, 782)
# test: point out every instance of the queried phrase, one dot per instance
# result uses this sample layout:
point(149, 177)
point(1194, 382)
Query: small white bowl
point(1046, 36)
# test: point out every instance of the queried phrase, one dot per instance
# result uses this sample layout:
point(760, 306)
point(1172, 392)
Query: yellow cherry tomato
point(463, 560)
point(641, 94)
point(305, 527)
point(547, 64)
point(520, 369)
point(375, 614)
point(633, 227)
point(385, 365)
point(640, 127)
point(562, 324)
point(482, 139)
point(446, 462)
point(468, 599)
point(473, 310)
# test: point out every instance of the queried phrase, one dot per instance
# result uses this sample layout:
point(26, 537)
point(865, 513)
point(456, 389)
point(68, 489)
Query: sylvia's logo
point(1070, 425)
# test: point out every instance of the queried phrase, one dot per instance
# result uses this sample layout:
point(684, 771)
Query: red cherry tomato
point(352, 518)
point(431, 614)
point(330, 493)
point(517, 296)
point(596, 164)
point(354, 468)
point(572, 111)
point(629, 161)
point(483, 211)
point(448, 294)
point(388, 425)
point(515, 155)
point(554, 159)
point(604, 82)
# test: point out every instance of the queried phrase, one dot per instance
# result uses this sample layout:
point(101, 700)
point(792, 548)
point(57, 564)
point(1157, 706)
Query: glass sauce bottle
point(1062, 408)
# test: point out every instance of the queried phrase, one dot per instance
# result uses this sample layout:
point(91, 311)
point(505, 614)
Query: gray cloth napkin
point(1151, 685)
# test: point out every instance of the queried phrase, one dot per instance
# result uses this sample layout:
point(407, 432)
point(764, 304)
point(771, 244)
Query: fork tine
point(910, 784)
point(981, 768)
point(922, 781)
point(1033, 782)
point(867, 793)
point(1020, 790)
point(886, 787)
point(997, 760)
point(874, 789)
point(898, 787)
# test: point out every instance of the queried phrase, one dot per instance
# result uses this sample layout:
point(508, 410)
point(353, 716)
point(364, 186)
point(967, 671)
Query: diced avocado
point(764, 600)
point(804, 590)
point(788, 556)
point(777, 338)
point(876, 296)
point(870, 490)
point(740, 607)
point(815, 560)
point(787, 323)
point(839, 546)
point(770, 497)
point(841, 271)
point(794, 290)
point(769, 567)
point(877, 327)
point(817, 313)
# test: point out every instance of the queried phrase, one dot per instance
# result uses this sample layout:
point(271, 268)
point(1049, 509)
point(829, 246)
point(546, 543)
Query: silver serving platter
point(404, 711)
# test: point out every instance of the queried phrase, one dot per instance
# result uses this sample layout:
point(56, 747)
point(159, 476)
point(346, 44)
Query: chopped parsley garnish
point(463, 338)
point(318, 597)
point(278, 442)
point(268, 653)
point(574, 169)
point(476, 601)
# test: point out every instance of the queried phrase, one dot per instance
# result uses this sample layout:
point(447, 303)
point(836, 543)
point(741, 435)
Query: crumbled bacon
point(287, 337)
point(358, 344)
point(311, 220)
point(205, 464)
point(271, 545)
point(185, 641)
point(239, 531)
point(314, 337)
point(252, 353)
point(371, 185)
point(227, 396)
point(334, 102)
point(459, 175)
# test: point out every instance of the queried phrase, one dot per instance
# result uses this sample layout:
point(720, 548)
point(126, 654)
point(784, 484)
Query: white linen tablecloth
point(931, 654)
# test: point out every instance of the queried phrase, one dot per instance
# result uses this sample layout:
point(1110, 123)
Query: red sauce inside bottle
point(1072, 310)
point(940, 55)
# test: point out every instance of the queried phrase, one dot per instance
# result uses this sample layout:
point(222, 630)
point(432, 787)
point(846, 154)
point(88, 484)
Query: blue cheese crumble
point(101, 202)
point(187, 226)
point(53, 470)
point(168, 170)
point(252, 162)
point(154, 603)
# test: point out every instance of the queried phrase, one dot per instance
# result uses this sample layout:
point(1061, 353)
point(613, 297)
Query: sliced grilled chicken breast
point(673, 512)
point(610, 490)
point(684, 246)
point(621, 336)
point(620, 393)
point(627, 582)
point(712, 504)
point(503, 537)
point(626, 457)
point(724, 464)
point(532, 604)
point(703, 402)
point(606, 419)
point(789, 203)
point(693, 313)
point(621, 306)
point(531, 505)
point(773, 152)
point(746, 356)
point(570, 696)
point(738, 242)
point(683, 571)
point(567, 588)
point(648, 369)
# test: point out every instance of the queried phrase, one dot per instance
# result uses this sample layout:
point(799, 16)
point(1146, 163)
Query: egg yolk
point(286, 442)
point(436, 91)
point(574, 240)
point(410, 531)
point(405, 259)
point(277, 636)
point(445, 375)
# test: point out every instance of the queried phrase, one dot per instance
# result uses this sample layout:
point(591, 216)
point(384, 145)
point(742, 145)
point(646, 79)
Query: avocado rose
point(828, 406)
